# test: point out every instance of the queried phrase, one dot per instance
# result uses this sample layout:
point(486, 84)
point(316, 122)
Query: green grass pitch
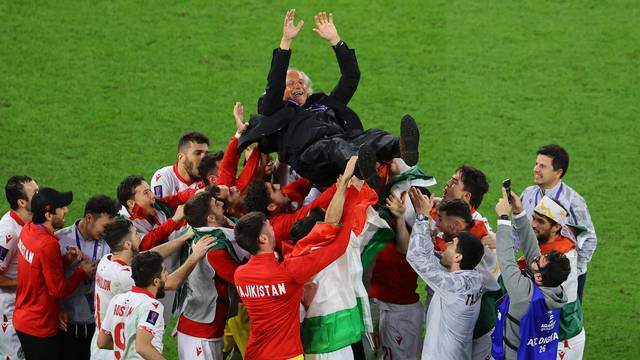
point(93, 91)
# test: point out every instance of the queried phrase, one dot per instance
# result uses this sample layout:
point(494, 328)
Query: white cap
point(551, 209)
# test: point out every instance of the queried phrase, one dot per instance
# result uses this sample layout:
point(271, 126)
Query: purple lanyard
point(89, 296)
point(43, 228)
point(554, 198)
point(95, 245)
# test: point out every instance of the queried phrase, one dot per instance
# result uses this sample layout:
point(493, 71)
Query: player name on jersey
point(122, 310)
point(129, 312)
point(473, 298)
point(254, 291)
point(26, 253)
point(103, 284)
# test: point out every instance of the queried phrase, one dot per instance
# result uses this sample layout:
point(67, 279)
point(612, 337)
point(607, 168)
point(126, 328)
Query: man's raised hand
point(325, 28)
point(238, 115)
point(421, 203)
point(396, 206)
point(179, 214)
point(348, 171)
point(289, 30)
point(504, 208)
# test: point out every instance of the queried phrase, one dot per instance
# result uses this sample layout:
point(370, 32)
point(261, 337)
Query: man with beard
point(184, 174)
point(77, 320)
point(134, 319)
point(41, 282)
point(316, 133)
point(19, 190)
point(113, 275)
point(550, 224)
point(457, 285)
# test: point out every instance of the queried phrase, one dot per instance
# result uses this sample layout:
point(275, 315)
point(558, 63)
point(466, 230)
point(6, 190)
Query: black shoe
point(367, 166)
point(409, 140)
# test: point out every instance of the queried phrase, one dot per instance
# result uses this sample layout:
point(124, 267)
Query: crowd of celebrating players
point(305, 238)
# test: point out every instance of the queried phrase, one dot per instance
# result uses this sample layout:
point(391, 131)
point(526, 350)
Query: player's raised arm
point(517, 285)
point(238, 116)
point(336, 206)
point(522, 224)
point(420, 248)
point(397, 208)
point(304, 267)
point(167, 248)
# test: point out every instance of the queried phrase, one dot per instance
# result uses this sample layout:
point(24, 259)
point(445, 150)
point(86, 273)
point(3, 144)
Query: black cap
point(48, 200)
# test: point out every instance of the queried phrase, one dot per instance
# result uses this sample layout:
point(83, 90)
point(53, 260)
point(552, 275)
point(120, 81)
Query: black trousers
point(39, 348)
point(325, 159)
point(76, 341)
point(582, 280)
point(358, 350)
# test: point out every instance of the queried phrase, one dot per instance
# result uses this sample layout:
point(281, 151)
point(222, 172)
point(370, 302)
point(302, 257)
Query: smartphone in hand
point(506, 184)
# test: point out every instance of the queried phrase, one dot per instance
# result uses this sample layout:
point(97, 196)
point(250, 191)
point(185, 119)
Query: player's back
point(113, 277)
point(129, 312)
point(452, 316)
point(272, 299)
